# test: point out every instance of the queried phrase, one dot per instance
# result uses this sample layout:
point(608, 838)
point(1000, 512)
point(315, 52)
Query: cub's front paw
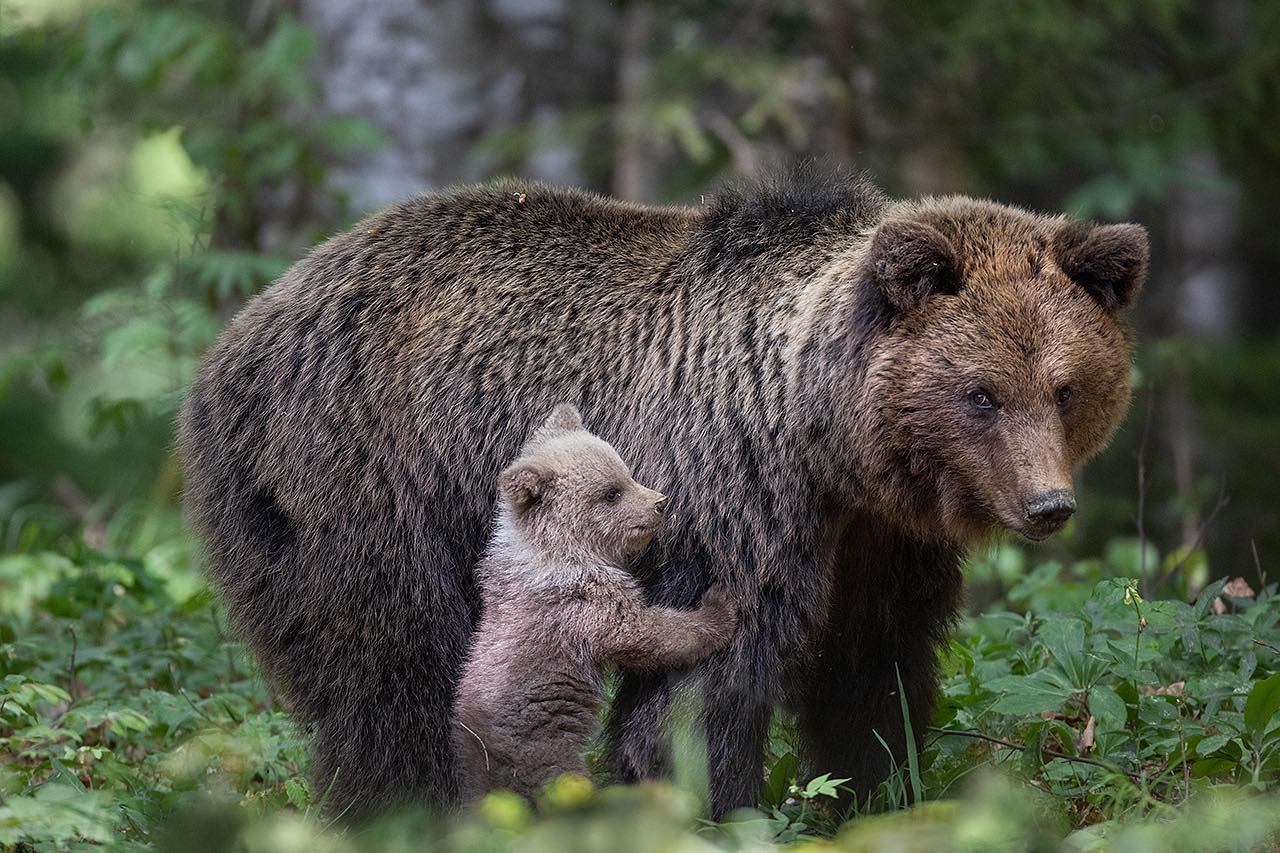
point(720, 612)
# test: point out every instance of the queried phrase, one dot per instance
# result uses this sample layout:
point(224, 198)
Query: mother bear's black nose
point(1051, 508)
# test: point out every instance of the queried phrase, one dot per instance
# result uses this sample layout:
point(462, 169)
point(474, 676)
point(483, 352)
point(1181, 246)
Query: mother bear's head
point(999, 365)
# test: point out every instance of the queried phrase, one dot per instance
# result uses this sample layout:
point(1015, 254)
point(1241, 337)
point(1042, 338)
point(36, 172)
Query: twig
point(1182, 749)
point(92, 530)
point(183, 692)
point(1257, 564)
point(1222, 501)
point(71, 669)
point(1142, 493)
point(1266, 645)
point(222, 641)
point(1053, 753)
point(740, 148)
point(478, 740)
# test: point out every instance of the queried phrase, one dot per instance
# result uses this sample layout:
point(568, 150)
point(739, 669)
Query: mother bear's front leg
point(893, 602)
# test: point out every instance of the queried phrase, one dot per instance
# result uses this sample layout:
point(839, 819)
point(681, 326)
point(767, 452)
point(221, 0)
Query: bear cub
point(559, 605)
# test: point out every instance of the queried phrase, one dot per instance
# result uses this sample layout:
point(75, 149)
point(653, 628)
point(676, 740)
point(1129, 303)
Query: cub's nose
point(1052, 508)
point(660, 504)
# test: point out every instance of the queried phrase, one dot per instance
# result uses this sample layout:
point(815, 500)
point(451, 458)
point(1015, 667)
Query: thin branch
point(1182, 749)
point(72, 690)
point(1267, 645)
point(1053, 753)
point(1142, 493)
point(183, 693)
point(740, 148)
point(1222, 501)
point(222, 641)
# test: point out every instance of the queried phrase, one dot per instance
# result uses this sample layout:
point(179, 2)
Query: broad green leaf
point(1262, 705)
point(1064, 638)
point(1211, 744)
point(1025, 695)
point(1207, 596)
point(1212, 767)
point(1107, 708)
point(298, 792)
point(779, 781)
point(1033, 756)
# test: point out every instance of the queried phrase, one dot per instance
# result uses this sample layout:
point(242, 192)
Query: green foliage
point(167, 162)
point(128, 717)
point(1157, 696)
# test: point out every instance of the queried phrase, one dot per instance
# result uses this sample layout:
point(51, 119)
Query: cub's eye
point(613, 495)
point(983, 400)
point(1064, 396)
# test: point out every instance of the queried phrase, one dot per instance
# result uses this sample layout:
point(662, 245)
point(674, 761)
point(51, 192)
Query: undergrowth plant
point(1075, 712)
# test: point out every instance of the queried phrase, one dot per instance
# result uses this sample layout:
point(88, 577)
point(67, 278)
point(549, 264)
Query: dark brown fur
point(797, 367)
point(559, 605)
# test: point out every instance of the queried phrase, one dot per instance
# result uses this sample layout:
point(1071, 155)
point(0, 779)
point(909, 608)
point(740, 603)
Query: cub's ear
point(1108, 261)
point(524, 483)
point(563, 418)
point(910, 261)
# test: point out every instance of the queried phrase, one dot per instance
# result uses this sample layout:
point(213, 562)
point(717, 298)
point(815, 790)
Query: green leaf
point(1064, 638)
point(779, 782)
point(298, 792)
point(1207, 596)
point(1033, 756)
point(1212, 767)
point(1262, 705)
point(124, 721)
point(1211, 744)
point(1024, 695)
point(58, 814)
point(1107, 708)
point(913, 758)
point(822, 786)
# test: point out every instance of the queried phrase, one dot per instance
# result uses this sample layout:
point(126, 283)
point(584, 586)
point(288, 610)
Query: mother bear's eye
point(983, 400)
point(612, 496)
point(1064, 396)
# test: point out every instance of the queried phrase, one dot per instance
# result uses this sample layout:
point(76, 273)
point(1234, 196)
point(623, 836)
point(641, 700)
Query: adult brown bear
point(839, 392)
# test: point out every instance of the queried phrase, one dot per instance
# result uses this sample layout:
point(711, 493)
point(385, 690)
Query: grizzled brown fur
point(839, 392)
point(559, 605)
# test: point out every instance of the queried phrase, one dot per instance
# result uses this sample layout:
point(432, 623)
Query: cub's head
point(1003, 364)
point(569, 495)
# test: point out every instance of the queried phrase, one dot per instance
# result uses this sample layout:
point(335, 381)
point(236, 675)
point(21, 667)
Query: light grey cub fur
point(559, 606)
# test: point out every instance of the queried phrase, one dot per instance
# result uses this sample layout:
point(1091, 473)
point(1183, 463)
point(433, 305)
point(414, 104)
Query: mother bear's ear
point(910, 261)
point(1108, 261)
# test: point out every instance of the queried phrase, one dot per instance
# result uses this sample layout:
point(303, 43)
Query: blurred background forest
point(160, 162)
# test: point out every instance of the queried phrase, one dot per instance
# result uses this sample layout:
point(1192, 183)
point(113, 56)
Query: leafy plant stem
point(1053, 753)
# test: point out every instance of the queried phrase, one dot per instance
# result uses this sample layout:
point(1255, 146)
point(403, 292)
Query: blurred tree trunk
point(1203, 221)
point(461, 89)
point(848, 31)
point(635, 168)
